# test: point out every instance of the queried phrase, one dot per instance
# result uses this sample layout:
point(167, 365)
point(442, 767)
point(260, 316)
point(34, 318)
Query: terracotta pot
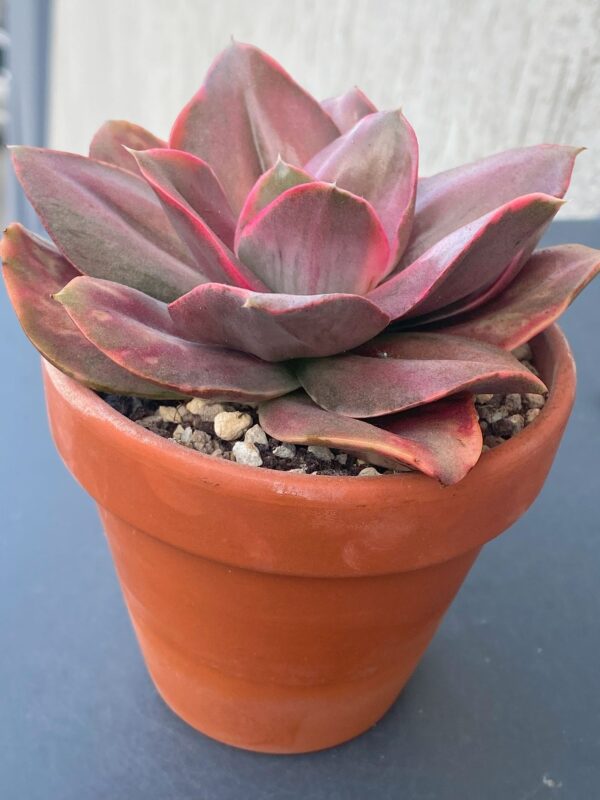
point(281, 612)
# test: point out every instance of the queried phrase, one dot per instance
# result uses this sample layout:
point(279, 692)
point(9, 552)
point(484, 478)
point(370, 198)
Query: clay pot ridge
point(373, 508)
point(283, 613)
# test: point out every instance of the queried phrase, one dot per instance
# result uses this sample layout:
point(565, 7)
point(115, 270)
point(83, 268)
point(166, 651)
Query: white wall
point(473, 76)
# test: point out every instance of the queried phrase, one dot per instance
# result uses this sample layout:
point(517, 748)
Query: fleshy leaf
point(275, 181)
point(136, 331)
point(248, 112)
point(276, 327)
point(199, 211)
point(106, 221)
point(33, 271)
point(451, 199)
point(378, 160)
point(111, 141)
point(183, 179)
point(315, 239)
point(396, 372)
point(442, 440)
point(544, 288)
point(447, 429)
point(470, 260)
point(347, 109)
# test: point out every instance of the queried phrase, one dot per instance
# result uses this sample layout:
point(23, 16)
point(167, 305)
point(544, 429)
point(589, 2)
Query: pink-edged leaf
point(451, 199)
point(276, 327)
point(378, 160)
point(348, 108)
point(199, 211)
point(399, 371)
point(470, 260)
point(106, 221)
point(248, 112)
point(447, 431)
point(316, 239)
point(136, 331)
point(442, 440)
point(275, 181)
point(544, 288)
point(111, 141)
point(181, 179)
point(33, 271)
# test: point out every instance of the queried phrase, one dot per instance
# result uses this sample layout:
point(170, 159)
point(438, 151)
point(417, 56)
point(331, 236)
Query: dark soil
point(500, 418)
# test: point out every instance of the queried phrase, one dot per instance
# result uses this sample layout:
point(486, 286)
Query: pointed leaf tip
point(543, 290)
point(276, 327)
point(267, 114)
point(316, 239)
point(348, 108)
point(377, 159)
point(470, 265)
point(115, 139)
point(442, 440)
point(451, 199)
point(396, 372)
point(274, 182)
point(199, 211)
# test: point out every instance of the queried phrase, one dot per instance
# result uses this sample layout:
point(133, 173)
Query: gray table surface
point(504, 706)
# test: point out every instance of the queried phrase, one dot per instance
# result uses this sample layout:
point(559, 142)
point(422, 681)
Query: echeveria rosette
point(284, 252)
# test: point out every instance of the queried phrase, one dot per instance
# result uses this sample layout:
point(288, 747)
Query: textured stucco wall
point(473, 76)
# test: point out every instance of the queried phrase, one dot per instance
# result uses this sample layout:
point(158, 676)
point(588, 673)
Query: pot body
point(284, 613)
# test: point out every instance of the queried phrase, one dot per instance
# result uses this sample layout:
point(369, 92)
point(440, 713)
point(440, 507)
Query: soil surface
point(231, 431)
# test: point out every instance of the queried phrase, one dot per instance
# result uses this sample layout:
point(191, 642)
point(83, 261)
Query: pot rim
point(204, 468)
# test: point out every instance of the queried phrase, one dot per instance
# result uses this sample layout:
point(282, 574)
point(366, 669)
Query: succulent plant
point(284, 252)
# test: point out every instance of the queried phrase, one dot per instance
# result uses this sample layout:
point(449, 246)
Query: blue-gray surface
point(504, 706)
point(28, 24)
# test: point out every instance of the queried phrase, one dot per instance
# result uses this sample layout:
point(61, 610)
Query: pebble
point(256, 435)
point(509, 426)
point(488, 400)
point(210, 411)
point(284, 451)
point(247, 453)
point(169, 414)
point(322, 453)
point(196, 404)
point(213, 428)
point(492, 441)
point(146, 422)
point(503, 416)
point(513, 403)
point(183, 435)
point(535, 400)
point(184, 413)
point(206, 410)
point(230, 425)
point(202, 441)
point(490, 414)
